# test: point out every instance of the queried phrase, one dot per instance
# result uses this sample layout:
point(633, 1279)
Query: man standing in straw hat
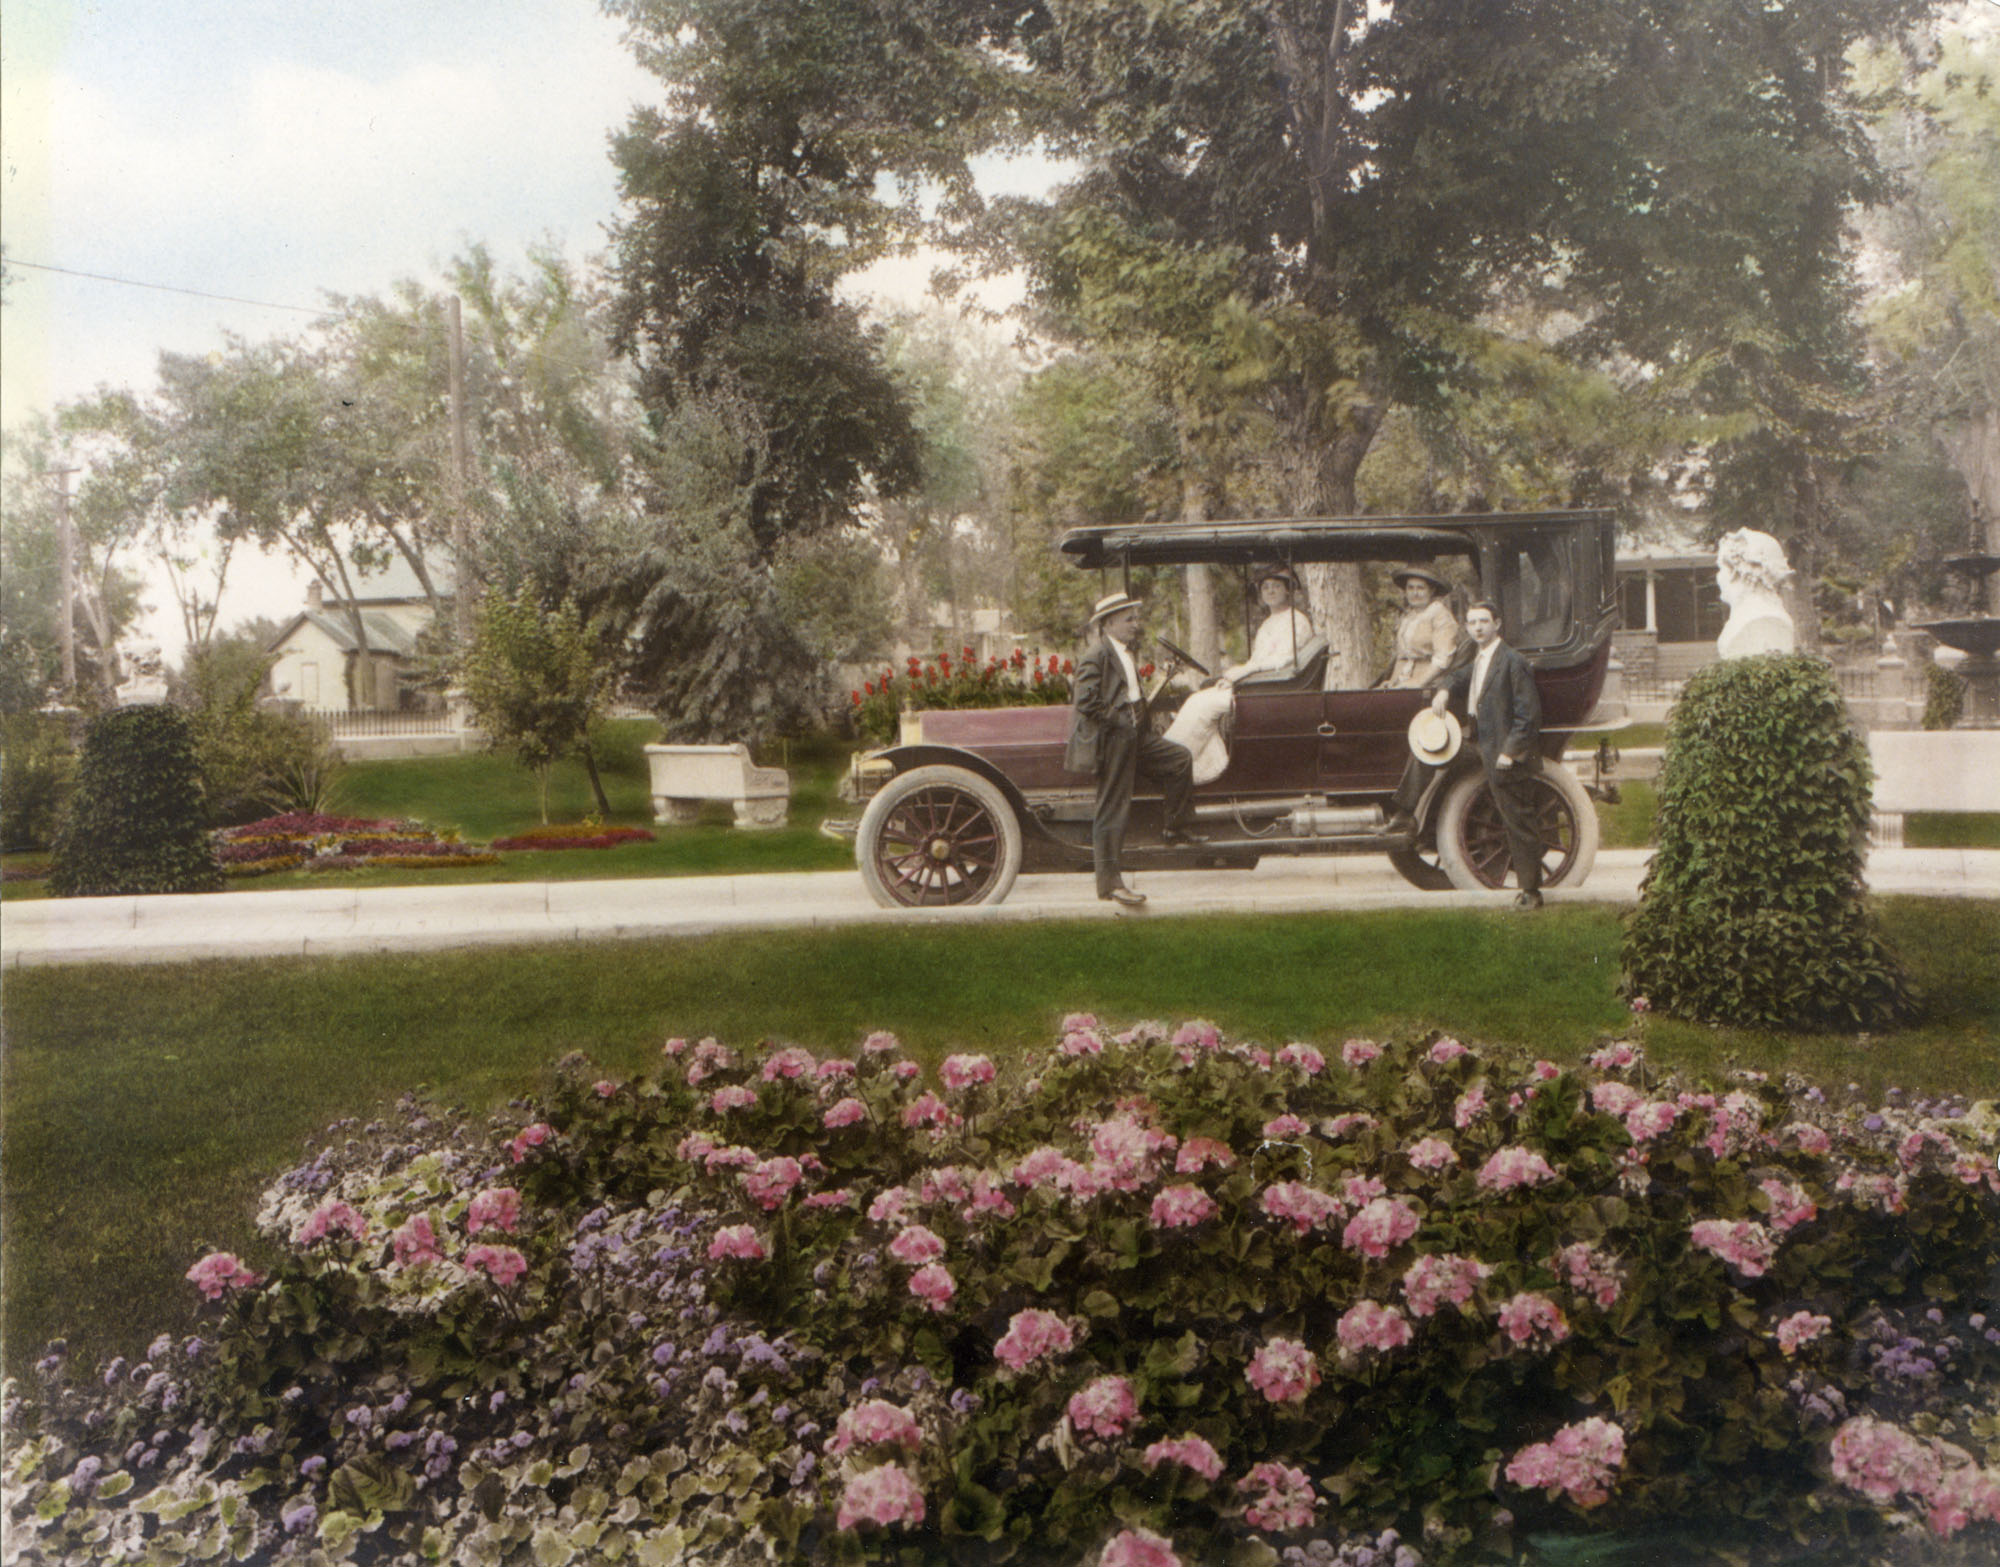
point(1108, 737)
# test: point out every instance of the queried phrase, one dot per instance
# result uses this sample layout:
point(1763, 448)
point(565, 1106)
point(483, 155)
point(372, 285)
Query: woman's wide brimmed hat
point(1435, 737)
point(1112, 603)
point(1277, 572)
point(1400, 578)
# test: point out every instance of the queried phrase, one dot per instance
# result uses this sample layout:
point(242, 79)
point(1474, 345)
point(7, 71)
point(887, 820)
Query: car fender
point(902, 758)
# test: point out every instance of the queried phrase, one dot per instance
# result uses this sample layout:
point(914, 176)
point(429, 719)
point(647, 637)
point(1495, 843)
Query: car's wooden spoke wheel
point(1472, 840)
point(936, 837)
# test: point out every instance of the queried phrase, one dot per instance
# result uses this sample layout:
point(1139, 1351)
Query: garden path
point(324, 921)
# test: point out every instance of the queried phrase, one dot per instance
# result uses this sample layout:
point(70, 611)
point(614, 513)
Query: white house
point(319, 661)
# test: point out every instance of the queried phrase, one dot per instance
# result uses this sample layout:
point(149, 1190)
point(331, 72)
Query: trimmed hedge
point(1752, 909)
point(138, 821)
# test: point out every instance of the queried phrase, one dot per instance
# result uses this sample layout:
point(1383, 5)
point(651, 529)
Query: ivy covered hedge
point(1151, 1297)
point(1751, 910)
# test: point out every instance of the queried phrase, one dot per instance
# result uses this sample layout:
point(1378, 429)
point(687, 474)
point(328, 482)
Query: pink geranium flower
point(1198, 1153)
point(843, 1198)
point(1580, 1461)
point(496, 1208)
point(1283, 1497)
point(1181, 1207)
point(1191, 1452)
point(1104, 1408)
point(1432, 1153)
point(529, 1137)
point(1447, 1050)
point(890, 1205)
point(916, 1246)
point(1530, 1318)
point(220, 1272)
point(771, 1181)
point(1644, 1122)
point(878, 1043)
point(1745, 1246)
point(738, 1241)
point(1469, 1107)
point(1138, 1548)
point(845, 1113)
point(834, 1067)
point(1284, 1371)
point(332, 1217)
point(886, 1496)
point(1286, 1126)
point(1589, 1273)
point(1304, 1208)
point(1126, 1152)
point(791, 1062)
point(1441, 1279)
point(1357, 1053)
point(929, 1110)
point(1304, 1057)
point(933, 1285)
point(1617, 1099)
point(875, 1423)
point(1380, 1227)
point(1371, 1325)
point(962, 1072)
point(415, 1242)
point(1790, 1206)
point(1511, 1168)
point(1032, 1335)
point(502, 1264)
point(1799, 1330)
point(734, 1097)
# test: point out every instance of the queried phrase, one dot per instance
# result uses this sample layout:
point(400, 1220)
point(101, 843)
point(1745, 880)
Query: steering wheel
point(1183, 655)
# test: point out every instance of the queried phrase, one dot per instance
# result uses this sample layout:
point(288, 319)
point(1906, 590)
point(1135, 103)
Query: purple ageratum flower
point(299, 1517)
point(313, 1467)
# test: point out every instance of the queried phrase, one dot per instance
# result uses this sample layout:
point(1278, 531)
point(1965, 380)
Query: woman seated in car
point(1427, 637)
point(1282, 642)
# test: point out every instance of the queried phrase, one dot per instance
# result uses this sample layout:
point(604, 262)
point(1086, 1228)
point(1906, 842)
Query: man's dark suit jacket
point(1100, 701)
point(1509, 720)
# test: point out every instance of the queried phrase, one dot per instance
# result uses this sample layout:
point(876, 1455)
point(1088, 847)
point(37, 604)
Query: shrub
point(1751, 911)
point(254, 756)
point(772, 1307)
point(938, 682)
point(137, 822)
point(582, 835)
point(1944, 697)
point(37, 769)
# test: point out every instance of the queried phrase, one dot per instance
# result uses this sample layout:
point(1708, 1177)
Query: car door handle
point(1327, 731)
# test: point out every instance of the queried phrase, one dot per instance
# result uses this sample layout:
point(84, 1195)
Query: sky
point(275, 151)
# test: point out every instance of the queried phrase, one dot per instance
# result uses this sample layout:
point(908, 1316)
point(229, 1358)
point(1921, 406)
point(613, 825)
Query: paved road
point(323, 921)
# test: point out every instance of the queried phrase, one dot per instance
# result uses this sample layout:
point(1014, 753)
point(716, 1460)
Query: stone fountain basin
point(1978, 635)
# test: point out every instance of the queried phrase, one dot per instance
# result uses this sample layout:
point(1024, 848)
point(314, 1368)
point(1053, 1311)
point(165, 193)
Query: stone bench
point(686, 777)
point(1946, 770)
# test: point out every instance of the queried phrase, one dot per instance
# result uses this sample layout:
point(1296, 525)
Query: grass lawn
point(142, 1119)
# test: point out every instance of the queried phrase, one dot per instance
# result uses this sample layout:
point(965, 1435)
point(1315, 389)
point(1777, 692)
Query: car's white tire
point(938, 837)
point(1472, 845)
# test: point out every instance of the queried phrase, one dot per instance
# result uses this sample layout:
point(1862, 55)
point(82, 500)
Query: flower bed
point(310, 841)
point(938, 682)
point(1150, 1297)
point(583, 835)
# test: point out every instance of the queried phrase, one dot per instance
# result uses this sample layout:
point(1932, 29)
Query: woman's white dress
point(1199, 724)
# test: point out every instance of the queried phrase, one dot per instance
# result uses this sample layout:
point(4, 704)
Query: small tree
point(537, 684)
point(1752, 912)
point(254, 758)
point(138, 821)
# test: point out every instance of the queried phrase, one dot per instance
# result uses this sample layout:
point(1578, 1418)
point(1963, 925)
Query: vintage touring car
point(971, 798)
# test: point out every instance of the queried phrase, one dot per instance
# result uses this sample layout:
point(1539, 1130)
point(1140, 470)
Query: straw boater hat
point(1434, 737)
point(1111, 603)
point(1401, 577)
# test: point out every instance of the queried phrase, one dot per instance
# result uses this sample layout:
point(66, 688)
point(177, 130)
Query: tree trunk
point(1204, 635)
point(1319, 482)
point(1972, 446)
point(596, 785)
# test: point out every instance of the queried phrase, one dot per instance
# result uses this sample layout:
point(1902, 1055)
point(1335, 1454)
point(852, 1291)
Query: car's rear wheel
point(1472, 842)
point(938, 837)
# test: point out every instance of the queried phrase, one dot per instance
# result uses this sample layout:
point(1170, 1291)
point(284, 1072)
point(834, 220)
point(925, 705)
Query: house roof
point(385, 633)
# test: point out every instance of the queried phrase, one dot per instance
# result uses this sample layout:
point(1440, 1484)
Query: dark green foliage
point(1944, 697)
point(37, 765)
point(1751, 912)
point(138, 821)
point(255, 758)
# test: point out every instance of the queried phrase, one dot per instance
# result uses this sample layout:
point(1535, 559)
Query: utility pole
point(66, 569)
point(461, 530)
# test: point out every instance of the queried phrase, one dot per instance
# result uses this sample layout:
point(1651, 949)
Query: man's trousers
point(1126, 755)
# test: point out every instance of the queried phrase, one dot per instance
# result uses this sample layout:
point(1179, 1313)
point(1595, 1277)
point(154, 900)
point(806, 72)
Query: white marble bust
point(1750, 568)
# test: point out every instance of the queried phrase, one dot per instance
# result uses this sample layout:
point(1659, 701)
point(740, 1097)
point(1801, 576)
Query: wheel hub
point(940, 849)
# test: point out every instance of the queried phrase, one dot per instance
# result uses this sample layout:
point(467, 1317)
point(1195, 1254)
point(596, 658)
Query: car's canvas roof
point(1304, 538)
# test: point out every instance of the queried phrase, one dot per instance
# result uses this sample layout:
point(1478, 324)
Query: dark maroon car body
point(1310, 771)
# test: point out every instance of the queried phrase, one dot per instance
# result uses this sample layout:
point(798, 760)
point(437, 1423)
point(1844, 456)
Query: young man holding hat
point(1497, 690)
point(1108, 738)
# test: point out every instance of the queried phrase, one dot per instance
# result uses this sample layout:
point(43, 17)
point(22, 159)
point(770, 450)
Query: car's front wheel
point(938, 837)
point(1472, 841)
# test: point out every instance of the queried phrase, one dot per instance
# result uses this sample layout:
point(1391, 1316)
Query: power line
point(165, 288)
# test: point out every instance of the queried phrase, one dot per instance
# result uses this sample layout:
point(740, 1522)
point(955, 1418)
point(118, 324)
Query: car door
point(1363, 739)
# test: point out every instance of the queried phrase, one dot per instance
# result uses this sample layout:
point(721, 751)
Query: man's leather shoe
point(1528, 900)
point(1126, 897)
point(1176, 837)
